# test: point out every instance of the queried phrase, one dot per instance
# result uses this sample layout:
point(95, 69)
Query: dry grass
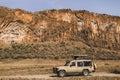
point(44, 66)
point(107, 65)
point(22, 67)
point(41, 66)
point(57, 50)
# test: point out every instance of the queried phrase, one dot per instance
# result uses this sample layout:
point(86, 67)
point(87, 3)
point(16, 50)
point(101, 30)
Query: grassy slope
point(56, 50)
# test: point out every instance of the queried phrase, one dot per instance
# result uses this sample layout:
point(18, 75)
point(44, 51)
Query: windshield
point(67, 63)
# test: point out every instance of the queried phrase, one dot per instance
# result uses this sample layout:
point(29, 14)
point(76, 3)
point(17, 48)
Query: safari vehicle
point(77, 65)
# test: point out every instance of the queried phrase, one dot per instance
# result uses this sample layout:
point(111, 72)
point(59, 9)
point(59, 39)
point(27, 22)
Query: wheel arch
point(86, 69)
point(84, 72)
point(62, 70)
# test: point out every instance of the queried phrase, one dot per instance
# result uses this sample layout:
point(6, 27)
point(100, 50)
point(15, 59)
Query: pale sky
point(111, 7)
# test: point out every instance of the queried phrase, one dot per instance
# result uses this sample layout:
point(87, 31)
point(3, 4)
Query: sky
point(111, 7)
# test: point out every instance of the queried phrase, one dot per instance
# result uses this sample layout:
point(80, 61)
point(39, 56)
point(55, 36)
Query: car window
point(72, 64)
point(87, 63)
point(79, 64)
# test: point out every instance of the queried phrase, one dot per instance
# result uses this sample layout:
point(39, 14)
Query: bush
point(116, 70)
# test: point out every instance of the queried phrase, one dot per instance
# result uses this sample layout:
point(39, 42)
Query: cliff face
point(19, 26)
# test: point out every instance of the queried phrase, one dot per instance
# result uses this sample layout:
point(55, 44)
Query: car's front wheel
point(61, 73)
point(85, 72)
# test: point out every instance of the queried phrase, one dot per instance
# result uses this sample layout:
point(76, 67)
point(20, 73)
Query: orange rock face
point(20, 26)
point(22, 16)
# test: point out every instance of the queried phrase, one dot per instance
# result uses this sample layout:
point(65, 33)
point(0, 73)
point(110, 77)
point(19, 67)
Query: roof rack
point(77, 57)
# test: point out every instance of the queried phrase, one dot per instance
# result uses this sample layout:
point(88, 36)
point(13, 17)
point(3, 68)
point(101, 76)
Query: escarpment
point(98, 30)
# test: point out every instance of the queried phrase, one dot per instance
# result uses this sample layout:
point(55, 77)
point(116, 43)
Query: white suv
point(75, 66)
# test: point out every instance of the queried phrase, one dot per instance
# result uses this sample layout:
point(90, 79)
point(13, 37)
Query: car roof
point(81, 60)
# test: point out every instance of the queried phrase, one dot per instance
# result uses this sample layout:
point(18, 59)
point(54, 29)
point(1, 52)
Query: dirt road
point(46, 76)
point(52, 76)
point(105, 74)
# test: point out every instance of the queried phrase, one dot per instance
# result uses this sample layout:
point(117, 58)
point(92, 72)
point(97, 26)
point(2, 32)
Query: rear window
point(87, 63)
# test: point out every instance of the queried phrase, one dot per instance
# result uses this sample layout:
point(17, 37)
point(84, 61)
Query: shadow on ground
point(70, 75)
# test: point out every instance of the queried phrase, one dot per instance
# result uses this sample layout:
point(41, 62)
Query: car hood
point(62, 67)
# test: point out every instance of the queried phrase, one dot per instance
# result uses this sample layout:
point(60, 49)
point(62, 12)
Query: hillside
point(30, 34)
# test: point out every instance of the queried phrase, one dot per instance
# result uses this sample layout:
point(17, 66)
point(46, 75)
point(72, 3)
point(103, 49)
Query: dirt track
point(51, 76)
point(46, 76)
point(105, 74)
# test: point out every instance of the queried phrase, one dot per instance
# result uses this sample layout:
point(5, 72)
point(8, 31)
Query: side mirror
point(70, 65)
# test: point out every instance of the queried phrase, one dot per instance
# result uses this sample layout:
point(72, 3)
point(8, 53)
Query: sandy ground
point(105, 74)
point(46, 76)
point(53, 76)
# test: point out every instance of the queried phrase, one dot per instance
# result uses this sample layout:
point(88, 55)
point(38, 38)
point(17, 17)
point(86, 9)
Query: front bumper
point(55, 70)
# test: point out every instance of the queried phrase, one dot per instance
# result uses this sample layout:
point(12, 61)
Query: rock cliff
point(98, 30)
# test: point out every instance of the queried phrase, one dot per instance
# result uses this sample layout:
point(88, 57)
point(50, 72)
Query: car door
point(88, 65)
point(79, 66)
point(72, 67)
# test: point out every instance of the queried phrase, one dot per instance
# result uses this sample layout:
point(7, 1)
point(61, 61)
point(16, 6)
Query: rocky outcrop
point(99, 30)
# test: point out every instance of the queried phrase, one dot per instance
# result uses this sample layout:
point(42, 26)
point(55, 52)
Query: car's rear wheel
point(85, 72)
point(61, 73)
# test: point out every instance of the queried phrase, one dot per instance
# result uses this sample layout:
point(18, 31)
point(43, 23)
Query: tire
point(85, 72)
point(61, 73)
